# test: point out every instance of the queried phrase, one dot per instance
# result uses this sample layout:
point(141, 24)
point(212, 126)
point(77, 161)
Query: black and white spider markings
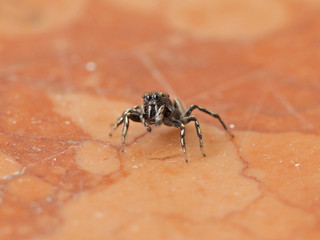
point(158, 109)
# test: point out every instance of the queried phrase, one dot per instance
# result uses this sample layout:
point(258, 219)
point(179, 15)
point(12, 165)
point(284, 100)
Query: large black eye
point(148, 97)
point(156, 96)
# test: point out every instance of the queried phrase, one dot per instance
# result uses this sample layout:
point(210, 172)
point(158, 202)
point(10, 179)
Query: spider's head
point(154, 105)
point(155, 98)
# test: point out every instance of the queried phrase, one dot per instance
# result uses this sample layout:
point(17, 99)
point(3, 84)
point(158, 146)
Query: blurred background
point(232, 56)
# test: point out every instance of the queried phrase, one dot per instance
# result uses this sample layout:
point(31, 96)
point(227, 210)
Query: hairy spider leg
point(193, 107)
point(120, 120)
point(134, 114)
point(124, 132)
point(197, 125)
point(180, 125)
point(142, 119)
point(128, 114)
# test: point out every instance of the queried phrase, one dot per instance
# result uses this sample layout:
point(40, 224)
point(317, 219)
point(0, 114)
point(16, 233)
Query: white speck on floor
point(91, 66)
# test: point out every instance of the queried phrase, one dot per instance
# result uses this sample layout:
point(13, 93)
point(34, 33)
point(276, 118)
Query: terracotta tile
point(68, 69)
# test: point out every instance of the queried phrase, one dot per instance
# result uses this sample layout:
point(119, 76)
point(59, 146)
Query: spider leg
point(133, 115)
point(142, 119)
point(120, 119)
point(180, 125)
point(124, 132)
point(131, 111)
point(197, 125)
point(115, 126)
point(215, 115)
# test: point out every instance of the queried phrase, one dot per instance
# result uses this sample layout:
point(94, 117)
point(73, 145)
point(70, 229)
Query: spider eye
point(148, 97)
point(156, 96)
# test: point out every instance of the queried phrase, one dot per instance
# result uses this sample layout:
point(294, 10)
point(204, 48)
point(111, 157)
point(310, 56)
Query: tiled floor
point(69, 68)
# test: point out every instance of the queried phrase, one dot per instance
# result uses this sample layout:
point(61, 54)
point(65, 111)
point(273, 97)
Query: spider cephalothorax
point(159, 109)
point(156, 106)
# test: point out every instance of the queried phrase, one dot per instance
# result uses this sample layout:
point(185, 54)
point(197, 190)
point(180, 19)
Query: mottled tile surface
point(69, 68)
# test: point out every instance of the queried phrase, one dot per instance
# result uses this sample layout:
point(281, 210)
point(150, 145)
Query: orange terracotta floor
point(68, 69)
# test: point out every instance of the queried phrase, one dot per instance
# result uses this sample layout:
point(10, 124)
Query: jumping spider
point(157, 109)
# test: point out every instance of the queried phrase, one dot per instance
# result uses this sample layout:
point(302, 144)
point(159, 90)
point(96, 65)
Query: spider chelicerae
point(158, 109)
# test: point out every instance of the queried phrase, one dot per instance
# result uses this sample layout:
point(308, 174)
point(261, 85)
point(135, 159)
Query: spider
point(158, 109)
